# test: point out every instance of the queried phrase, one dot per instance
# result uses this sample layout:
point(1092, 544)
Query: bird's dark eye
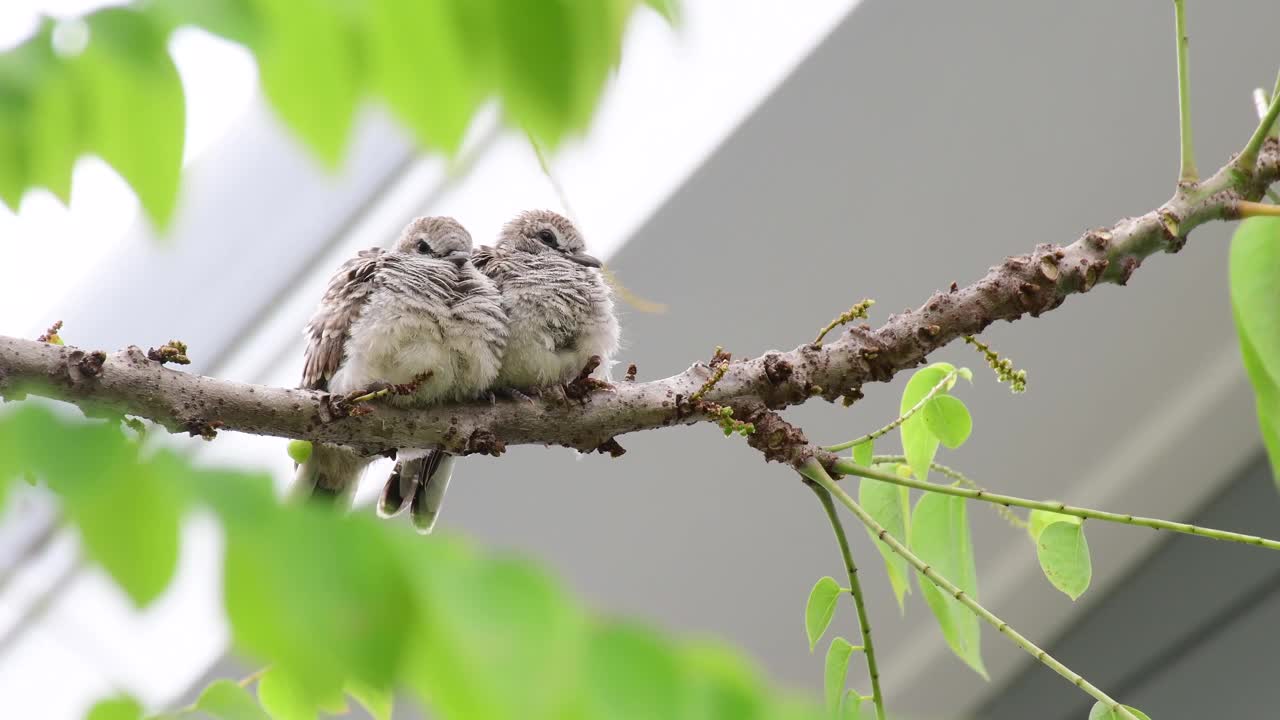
point(547, 237)
point(423, 247)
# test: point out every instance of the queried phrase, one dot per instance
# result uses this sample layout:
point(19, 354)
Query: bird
point(560, 315)
point(418, 316)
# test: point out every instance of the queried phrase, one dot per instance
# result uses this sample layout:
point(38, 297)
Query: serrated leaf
point(948, 419)
point(918, 443)
point(890, 505)
point(226, 700)
point(819, 609)
point(1064, 556)
point(375, 701)
point(421, 67)
point(863, 452)
point(1255, 301)
point(120, 708)
point(837, 669)
point(940, 536)
point(124, 70)
point(1102, 712)
point(309, 63)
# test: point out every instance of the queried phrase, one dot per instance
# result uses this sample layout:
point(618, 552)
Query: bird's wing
point(349, 289)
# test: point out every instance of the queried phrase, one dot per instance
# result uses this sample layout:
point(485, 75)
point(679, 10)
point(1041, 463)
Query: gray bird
point(419, 314)
point(559, 311)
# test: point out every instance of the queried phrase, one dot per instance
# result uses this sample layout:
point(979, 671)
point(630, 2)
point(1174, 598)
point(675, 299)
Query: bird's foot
point(583, 385)
point(507, 393)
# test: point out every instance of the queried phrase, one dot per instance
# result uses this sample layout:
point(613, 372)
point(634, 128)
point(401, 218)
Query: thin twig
point(1247, 160)
point(1187, 174)
point(1003, 511)
point(815, 472)
point(1252, 209)
point(855, 590)
point(942, 384)
point(848, 467)
point(857, 312)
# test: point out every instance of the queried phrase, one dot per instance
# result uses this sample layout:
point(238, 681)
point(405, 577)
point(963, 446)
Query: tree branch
point(129, 383)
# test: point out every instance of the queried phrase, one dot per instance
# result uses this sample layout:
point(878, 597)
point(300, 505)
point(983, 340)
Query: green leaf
point(940, 537)
point(863, 451)
point(1255, 299)
point(309, 64)
point(421, 66)
point(918, 443)
point(1064, 556)
point(837, 669)
point(666, 8)
point(890, 505)
point(40, 93)
point(948, 419)
point(1102, 712)
point(231, 19)
point(722, 684)
point(376, 701)
point(134, 102)
point(319, 623)
point(1041, 519)
point(285, 699)
point(819, 608)
point(851, 708)
point(226, 700)
point(537, 77)
point(492, 639)
point(299, 450)
point(631, 674)
point(121, 708)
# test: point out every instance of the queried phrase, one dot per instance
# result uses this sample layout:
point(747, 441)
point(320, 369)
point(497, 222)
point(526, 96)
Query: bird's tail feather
point(398, 493)
point(429, 495)
point(330, 475)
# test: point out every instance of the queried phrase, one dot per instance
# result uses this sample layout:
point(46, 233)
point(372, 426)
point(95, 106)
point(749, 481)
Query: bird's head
point(546, 232)
point(436, 236)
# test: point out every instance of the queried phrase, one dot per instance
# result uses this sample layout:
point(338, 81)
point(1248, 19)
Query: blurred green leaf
point(538, 72)
point(890, 505)
point(378, 702)
point(1102, 712)
point(420, 65)
point(226, 700)
point(851, 706)
point(310, 68)
point(837, 669)
point(284, 699)
point(863, 451)
point(121, 708)
point(632, 674)
point(948, 419)
point(134, 105)
point(40, 97)
point(1062, 550)
point(940, 537)
point(722, 684)
point(918, 443)
point(234, 20)
point(299, 450)
point(819, 608)
point(669, 9)
point(1255, 300)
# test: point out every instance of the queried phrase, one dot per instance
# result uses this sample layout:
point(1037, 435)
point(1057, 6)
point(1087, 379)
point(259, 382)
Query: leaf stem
point(855, 590)
point(857, 312)
point(942, 384)
point(1247, 160)
point(848, 467)
point(1252, 209)
point(815, 472)
point(1188, 174)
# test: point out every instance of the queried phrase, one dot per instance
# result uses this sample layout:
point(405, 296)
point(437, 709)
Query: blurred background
point(757, 170)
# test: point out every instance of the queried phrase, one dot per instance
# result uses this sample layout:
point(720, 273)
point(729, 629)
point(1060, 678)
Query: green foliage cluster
point(349, 607)
point(434, 63)
point(1255, 303)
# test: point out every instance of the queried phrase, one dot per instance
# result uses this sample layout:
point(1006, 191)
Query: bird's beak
point(585, 259)
point(458, 257)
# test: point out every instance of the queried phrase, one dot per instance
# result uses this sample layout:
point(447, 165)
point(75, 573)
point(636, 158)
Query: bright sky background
point(677, 95)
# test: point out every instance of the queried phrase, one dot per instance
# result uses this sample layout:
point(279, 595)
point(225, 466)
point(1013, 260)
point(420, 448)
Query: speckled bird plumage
point(391, 316)
point(560, 310)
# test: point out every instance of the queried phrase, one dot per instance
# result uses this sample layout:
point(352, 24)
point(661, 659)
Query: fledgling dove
point(419, 314)
point(560, 312)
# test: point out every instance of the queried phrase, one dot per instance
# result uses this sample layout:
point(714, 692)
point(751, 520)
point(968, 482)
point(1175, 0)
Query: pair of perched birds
point(526, 314)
